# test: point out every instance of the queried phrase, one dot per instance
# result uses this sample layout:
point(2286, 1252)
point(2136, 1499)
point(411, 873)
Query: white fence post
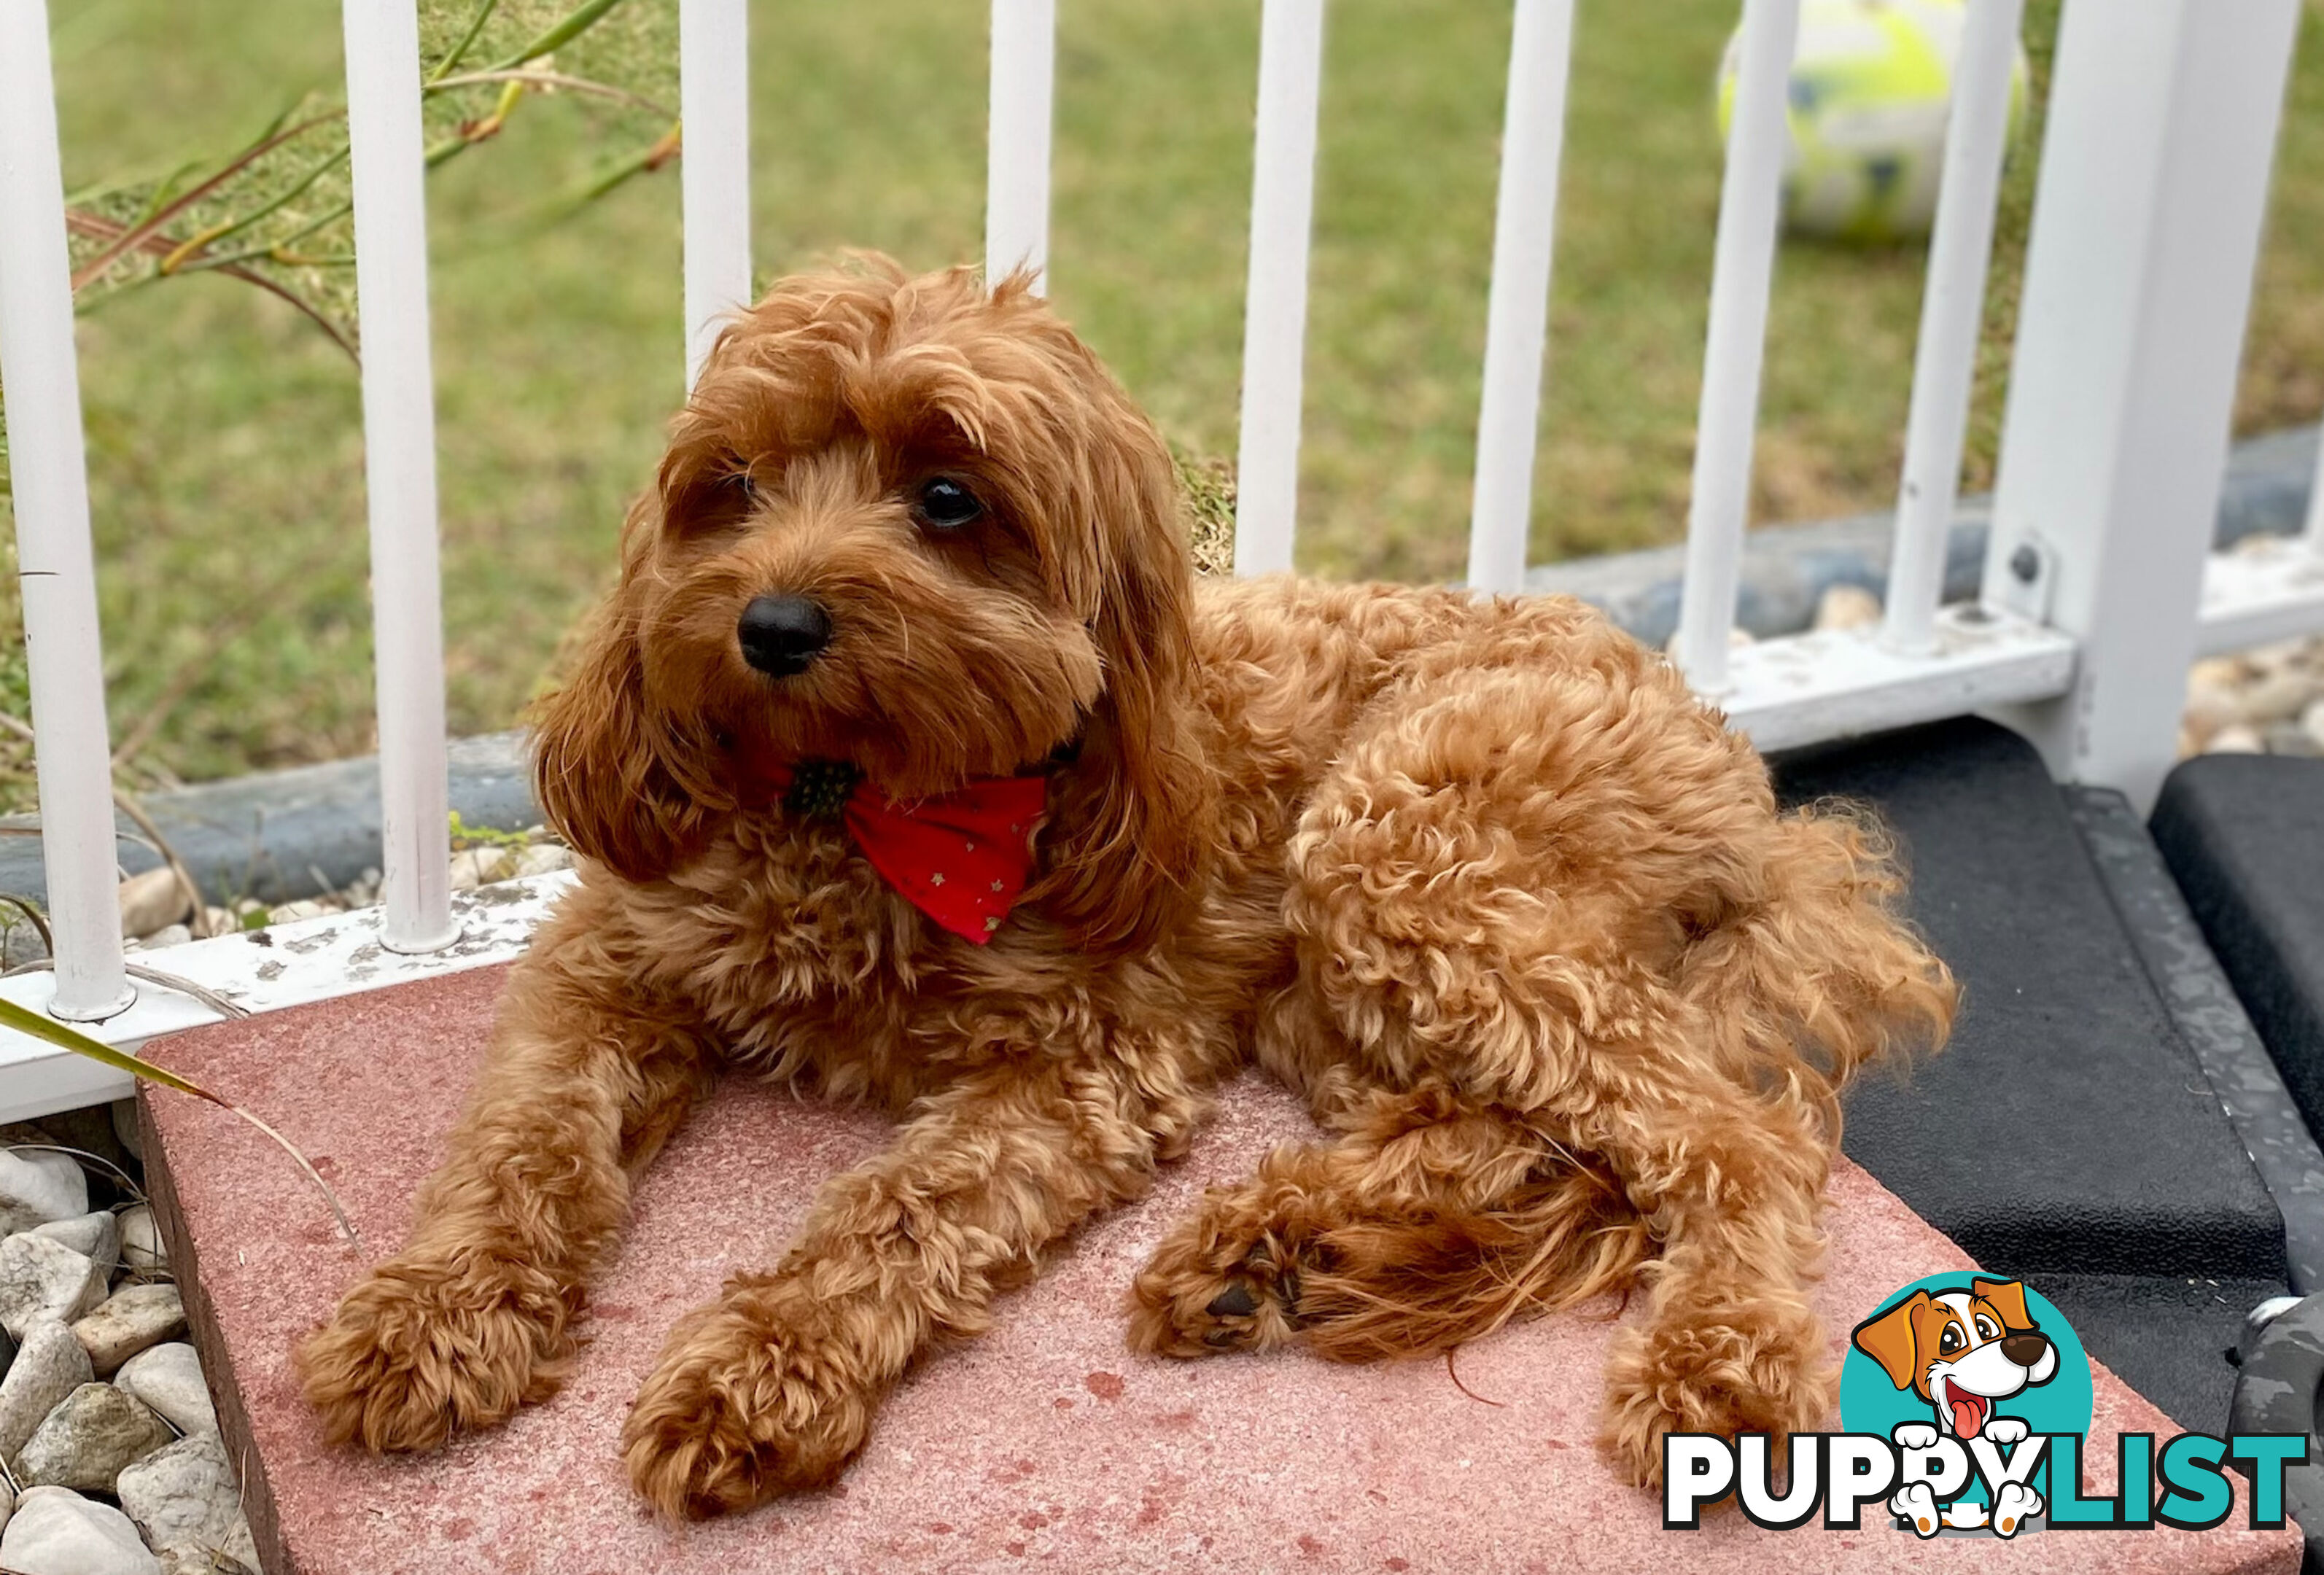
point(1275, 306)
point(2146, 227)
point(714, 106)
point(2314, 533)
point(53, 559)
point(1953, 320)
point(399, 405)
point(1516, 316)
point(1017, 143)
point(1742, 269)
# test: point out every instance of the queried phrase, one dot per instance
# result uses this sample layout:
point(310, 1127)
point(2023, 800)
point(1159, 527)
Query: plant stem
point(572, 25)
point(460, 50)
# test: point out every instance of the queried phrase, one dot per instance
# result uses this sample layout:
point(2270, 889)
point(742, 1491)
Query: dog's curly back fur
point(1479, 876)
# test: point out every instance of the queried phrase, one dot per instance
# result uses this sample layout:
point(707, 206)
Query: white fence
point(2099, 588)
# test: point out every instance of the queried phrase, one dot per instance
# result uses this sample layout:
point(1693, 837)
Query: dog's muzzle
point(782, 635)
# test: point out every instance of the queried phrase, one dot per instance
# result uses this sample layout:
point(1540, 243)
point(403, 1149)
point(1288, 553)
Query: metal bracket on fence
point(2031, 578)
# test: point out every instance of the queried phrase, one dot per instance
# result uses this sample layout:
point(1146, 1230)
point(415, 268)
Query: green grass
point(226, 446)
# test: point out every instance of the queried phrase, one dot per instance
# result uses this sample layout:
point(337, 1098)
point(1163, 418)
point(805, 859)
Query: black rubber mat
point(2067, 1135)
point(2243, 835)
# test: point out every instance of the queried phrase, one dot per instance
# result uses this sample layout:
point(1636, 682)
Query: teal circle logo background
point(1869, 1403)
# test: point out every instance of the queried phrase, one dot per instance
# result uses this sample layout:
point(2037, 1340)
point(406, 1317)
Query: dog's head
point(911, 524)
point(1961, 1351)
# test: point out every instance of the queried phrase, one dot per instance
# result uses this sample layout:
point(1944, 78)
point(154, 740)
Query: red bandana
point(961, 858)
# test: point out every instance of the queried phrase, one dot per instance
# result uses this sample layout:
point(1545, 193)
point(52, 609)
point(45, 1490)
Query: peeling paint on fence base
point(1838, 683)
point(261, 971)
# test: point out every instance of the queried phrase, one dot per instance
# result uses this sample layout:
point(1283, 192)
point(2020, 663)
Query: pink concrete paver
point(1045, 1443)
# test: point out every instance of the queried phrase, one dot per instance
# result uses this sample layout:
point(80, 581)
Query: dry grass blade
point(32, 911)
point(41, 1026)
point(207, 997)
point(199, 924)
point(531, 78)
point(119, 1175)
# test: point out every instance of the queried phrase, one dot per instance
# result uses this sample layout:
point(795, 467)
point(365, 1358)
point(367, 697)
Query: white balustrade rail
point(1743, 270)
point(2163, 118)
point(714, 106)
point(388, 166)
point(1017, 141)
point(54, 563)
point(1516, 313)
point(1953, 321)
point(1274, 307)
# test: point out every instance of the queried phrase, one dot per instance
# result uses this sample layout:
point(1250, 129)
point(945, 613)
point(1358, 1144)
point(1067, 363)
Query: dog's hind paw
point(1718, 1368)
point(419, 1351)
point(1197, 1296)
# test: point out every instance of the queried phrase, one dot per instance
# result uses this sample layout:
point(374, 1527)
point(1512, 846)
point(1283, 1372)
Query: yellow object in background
point(1871, 87)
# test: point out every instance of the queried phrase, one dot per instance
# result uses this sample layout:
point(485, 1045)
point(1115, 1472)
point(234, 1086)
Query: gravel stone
point(2268, 700)
point(57, 1532)
point(85, 1442)
point(142, 1248)
point(474, 867)
point(124, 1119)
point(96, 1237)
point(138, 1317)
point(42, 1277)
point(48, 1366)
point(184, 1498)
point(38, 1187)
point(542, 859)
point(152, 901)
point(1846, 606)
point(169, 1378)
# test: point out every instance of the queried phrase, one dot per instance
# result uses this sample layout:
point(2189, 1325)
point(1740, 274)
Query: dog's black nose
point(2025, 1349)
point(781, 635)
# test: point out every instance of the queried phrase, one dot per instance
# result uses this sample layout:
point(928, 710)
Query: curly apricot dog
point(1479, 878)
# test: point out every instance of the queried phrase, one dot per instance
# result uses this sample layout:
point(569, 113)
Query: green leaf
point(41, 1026)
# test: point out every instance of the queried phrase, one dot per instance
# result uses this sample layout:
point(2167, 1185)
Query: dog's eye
point(946, 505)
point(1987, 1329)
point(739, 485)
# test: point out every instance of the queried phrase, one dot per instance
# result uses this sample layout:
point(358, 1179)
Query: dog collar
point(961, 858)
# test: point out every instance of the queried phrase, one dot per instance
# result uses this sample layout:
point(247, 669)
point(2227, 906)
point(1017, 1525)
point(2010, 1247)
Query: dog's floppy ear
point(1135, 816)
point(2007, 1297)
point(608, 769)
point(1887, 1338)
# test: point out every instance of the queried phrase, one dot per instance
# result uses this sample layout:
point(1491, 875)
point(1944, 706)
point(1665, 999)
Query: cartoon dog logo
point(1963, 1353)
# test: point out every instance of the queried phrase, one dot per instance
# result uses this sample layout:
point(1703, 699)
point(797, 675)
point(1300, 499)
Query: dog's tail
point(1823, 974)
point(1417, 1284)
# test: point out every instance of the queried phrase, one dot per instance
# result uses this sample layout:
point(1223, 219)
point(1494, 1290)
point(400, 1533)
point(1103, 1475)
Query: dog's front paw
point(418, 1350)
point(2006, 1430)
point(1913, 1435)
point(1219, 1282)
point(1721, 1368)
point(745, 1406)
point(2013, 1506)
point(1917, 1505)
